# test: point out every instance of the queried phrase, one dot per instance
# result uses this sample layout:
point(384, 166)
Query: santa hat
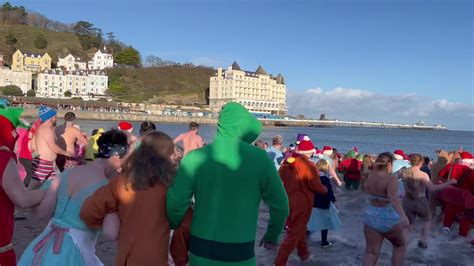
point(125, 126)
point(327, 150)
point(300, 137)
point(399, 155)
point(466, 157)
point(305, 146)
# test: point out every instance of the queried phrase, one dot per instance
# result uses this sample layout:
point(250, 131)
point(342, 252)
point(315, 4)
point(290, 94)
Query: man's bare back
point(71, 135)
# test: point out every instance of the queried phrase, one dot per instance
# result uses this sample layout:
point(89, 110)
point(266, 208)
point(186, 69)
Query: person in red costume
point(301, 179)
point(459, 199)
point(12, 189)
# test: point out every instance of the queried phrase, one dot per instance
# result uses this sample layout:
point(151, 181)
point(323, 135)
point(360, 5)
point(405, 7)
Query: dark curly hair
point(151, 162)
point(146, 127)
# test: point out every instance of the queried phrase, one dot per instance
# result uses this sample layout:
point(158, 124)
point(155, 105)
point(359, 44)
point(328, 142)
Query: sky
point(371, 60)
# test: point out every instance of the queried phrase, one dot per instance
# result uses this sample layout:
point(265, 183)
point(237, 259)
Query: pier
point(338, 123)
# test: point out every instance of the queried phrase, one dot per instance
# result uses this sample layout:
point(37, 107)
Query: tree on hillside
point(128, 56)
point(113, 44)
point(89, 36)
point(10, 39)
point(155, 61)
point(41, 42)
point(31, 93)
point(39, 20)
point(12, 15)
point(11, 90)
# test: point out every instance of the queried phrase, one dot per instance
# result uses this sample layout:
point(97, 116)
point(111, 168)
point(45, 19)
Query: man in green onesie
point(228, 179)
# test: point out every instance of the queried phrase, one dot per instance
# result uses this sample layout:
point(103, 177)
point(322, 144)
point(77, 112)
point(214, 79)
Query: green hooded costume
point(228, 179)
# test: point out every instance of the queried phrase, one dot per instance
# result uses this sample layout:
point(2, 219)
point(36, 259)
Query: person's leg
point(450, 212)
point(302, 247)
point(423, 242)
point(423, 211)
point(373, 243)
point(347, 182)
point(464, 226)
point(291, 241)
point(397, 238)
point(324, 237)
point(356, 184)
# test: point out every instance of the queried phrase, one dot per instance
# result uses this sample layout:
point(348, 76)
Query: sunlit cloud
point(362, 105)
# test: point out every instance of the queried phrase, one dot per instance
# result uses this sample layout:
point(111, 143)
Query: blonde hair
point(416, 159)
point(323, 165)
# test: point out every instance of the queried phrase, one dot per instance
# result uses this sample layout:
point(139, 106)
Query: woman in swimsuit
point(384, 216)
point(415, 204)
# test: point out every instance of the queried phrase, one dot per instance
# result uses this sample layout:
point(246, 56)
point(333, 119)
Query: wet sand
point(348, 249)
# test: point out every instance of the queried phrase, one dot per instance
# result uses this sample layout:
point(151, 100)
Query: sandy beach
point(348, 249)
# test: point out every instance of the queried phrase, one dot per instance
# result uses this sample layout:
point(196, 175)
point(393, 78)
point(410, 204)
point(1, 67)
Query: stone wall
point(86, 115)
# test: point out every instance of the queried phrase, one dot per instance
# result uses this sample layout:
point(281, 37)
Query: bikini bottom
point(381, 219)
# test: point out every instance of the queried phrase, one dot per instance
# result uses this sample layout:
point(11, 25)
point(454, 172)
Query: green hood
point(235, 122)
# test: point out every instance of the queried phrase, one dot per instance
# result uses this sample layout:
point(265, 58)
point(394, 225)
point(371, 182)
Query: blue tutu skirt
point(324, 219)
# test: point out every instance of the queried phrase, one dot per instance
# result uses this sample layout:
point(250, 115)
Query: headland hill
point(138, 88)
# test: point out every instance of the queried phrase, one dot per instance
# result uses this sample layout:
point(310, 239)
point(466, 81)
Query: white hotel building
point(81, 83)
point(102, 59)
point(257, 91)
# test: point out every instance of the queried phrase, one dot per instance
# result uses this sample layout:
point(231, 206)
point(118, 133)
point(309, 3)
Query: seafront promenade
point(117, 116)
point(138, 117)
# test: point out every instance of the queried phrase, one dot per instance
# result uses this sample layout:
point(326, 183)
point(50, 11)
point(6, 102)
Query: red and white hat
point(125, 126)
point(466, 157)
point(399, 155)
point(327, 150)
point(305, 146)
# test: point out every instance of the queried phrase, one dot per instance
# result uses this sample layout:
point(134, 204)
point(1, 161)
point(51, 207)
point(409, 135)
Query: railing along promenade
point(338, 123)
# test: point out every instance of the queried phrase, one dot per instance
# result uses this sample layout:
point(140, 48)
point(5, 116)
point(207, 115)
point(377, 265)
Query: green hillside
point(177, 84)
point(59, 43)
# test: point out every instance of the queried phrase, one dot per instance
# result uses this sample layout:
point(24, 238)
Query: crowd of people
point(200, 204)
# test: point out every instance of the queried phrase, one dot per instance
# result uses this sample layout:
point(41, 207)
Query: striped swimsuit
point(42, 169)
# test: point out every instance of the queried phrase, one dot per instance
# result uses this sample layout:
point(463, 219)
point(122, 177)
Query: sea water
point(367, 140)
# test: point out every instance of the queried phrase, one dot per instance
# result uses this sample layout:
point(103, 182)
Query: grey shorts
point(416, 208)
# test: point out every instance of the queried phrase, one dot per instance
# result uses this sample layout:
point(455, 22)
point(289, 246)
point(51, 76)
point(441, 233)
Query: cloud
point(361, 105)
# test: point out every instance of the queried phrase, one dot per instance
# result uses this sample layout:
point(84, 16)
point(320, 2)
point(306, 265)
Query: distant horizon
point(390, 60)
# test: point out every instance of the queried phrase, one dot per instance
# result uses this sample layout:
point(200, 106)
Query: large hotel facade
point(258, 91)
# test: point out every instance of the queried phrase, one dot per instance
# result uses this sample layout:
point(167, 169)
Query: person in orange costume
point(459, 200)
point(301, 179)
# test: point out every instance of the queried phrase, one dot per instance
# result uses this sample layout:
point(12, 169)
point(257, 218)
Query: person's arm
point(274, 195)
point(180, 192)
point(433, 188)
point(392, 193)
point(15, 189)
point(49, 139)
point(178, 139)
point(333, 174)
point(47, 206)
point(98, 205)
point(80, 137)
point(111, 226)
point(201, 142)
